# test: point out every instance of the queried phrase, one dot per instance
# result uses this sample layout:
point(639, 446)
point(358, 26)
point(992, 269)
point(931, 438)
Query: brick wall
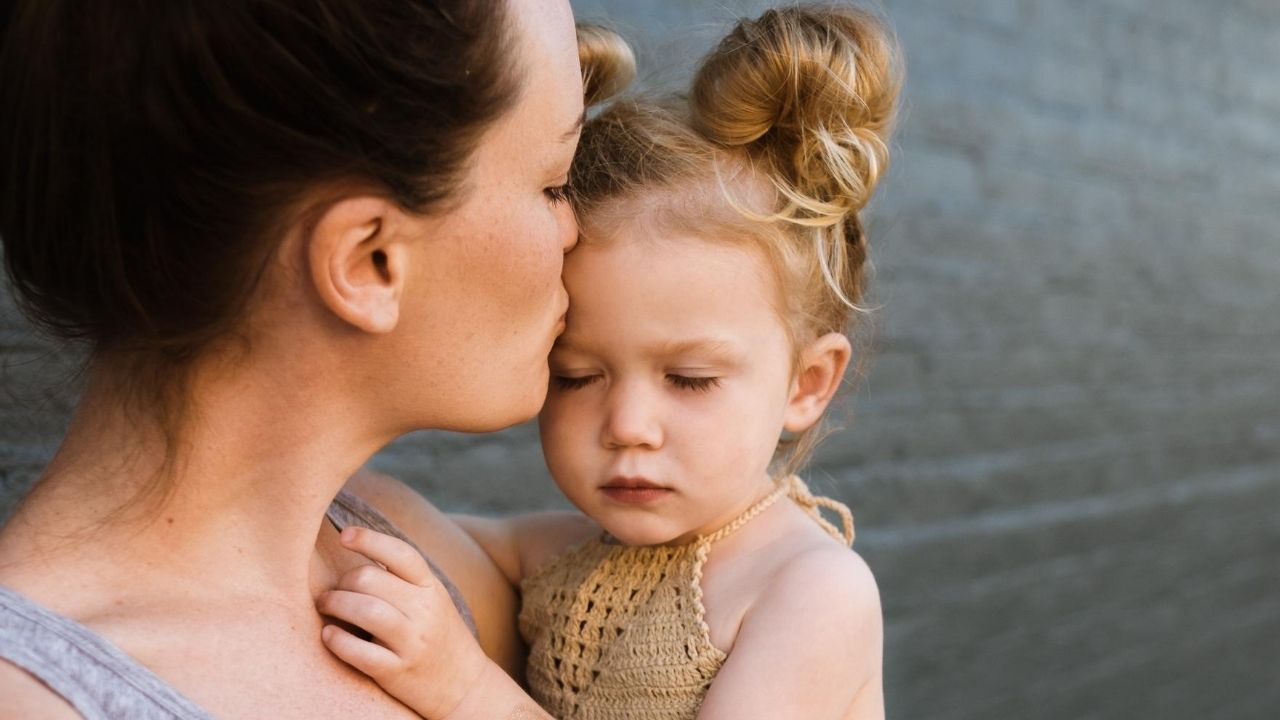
point(1066, 457)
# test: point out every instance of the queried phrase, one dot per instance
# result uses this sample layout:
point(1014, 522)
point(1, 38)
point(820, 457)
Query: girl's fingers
point(367, 657)
point(374, 615)
point(412, 600)
point(394, 554)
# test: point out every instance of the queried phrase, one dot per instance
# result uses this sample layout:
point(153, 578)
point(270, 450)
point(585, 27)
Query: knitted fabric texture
point(620, 633)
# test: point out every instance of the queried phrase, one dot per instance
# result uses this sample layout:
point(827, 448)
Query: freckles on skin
point(519, 244)
point(530, 271)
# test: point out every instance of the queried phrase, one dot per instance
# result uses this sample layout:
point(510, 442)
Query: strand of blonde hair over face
point(782, 141)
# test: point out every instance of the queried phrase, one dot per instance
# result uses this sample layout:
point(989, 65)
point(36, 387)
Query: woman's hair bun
point(608, 65)
point(810, 93)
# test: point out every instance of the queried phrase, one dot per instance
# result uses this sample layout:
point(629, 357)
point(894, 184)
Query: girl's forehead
point(658, 290)
point(665, 258)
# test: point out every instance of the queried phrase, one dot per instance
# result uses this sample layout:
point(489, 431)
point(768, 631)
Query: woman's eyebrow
point(572, 132)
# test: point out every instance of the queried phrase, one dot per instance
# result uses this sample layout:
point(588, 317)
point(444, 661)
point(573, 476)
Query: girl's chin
point(641, 537)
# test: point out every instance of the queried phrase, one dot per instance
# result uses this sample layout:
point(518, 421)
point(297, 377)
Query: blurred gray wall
point(1066, 457)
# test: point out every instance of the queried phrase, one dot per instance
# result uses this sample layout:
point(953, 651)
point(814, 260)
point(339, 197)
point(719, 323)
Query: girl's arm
point(810, 647)
point(521, 544)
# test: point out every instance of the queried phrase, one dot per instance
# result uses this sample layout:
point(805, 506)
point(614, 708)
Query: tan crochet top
point(620, 633)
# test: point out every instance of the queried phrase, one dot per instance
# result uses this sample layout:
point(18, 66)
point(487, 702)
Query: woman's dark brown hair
point(150, 149)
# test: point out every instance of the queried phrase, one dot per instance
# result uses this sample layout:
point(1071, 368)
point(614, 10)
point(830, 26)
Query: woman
point(289, 232)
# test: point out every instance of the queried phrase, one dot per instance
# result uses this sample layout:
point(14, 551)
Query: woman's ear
point(818, 377)
point(357, 262)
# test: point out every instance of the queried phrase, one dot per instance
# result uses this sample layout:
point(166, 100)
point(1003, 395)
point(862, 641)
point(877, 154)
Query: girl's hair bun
point(810, 93)
point(608, 65)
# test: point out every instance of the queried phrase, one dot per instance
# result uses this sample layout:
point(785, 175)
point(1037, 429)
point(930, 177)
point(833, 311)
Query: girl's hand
point(422, 653)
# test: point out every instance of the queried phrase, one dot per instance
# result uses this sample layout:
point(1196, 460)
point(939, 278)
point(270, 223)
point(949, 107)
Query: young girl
point(720, 261)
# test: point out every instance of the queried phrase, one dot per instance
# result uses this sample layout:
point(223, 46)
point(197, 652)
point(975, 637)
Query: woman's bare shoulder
point(27, 697)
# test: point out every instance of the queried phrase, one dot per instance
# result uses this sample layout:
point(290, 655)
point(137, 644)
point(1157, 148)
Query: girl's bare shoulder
point(785, 561)
point(813, 628)
point(801, 562)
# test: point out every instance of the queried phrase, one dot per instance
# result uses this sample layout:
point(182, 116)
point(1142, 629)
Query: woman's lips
point(564, 314)
point(634, 491)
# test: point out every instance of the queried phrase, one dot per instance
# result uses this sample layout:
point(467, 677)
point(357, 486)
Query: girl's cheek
point(556, 420)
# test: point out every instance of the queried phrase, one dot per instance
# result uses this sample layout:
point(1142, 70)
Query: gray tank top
point(102, 682)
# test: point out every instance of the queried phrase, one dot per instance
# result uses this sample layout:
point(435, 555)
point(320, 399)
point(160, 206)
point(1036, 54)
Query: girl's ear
point(818, 377)
point(358, 262)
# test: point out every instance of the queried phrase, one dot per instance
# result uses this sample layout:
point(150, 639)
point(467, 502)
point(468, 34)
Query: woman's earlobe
point(357, 263)
point(818, 378)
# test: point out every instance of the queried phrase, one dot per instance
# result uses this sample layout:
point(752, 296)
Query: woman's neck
point(233, 502)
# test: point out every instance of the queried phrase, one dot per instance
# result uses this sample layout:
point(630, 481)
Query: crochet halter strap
point(796, 489)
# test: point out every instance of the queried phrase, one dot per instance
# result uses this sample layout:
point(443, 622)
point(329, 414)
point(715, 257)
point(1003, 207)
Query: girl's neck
point(239, 495)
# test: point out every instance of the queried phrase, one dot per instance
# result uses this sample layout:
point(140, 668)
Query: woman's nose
point(569, 229)
point(632, 420)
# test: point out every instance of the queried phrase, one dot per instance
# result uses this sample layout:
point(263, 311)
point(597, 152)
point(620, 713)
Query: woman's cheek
point(552, 233)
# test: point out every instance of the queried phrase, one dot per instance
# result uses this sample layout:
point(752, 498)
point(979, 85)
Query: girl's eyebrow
point(716, 348)
point(722, 349)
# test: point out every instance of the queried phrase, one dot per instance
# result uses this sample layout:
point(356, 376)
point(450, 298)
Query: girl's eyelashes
point(557, 193)
point(697, 384)
point(573, 383)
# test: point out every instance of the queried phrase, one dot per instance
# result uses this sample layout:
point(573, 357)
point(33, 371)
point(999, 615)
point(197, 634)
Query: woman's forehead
point(542, 128)
point(547, 48)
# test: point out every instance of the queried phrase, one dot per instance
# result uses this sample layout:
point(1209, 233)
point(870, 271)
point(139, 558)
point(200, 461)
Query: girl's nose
point(632, 420)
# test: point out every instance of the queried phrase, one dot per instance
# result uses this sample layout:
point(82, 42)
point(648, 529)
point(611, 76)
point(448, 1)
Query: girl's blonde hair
point(781, 142)
point(608, 65)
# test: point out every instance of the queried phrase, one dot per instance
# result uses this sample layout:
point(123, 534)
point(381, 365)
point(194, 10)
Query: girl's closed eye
point(567, 382)
point(695, 383)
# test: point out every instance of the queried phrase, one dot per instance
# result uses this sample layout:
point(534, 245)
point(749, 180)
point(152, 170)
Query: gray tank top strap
point(349, 510)
point(95, 677)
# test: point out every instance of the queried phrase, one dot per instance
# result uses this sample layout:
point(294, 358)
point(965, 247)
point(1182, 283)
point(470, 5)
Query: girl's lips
point(634, 491)
point(635, 495)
